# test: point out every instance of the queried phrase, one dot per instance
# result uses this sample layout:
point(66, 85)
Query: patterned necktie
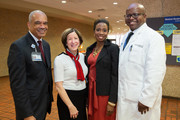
point(42, 52)
point(127, 39)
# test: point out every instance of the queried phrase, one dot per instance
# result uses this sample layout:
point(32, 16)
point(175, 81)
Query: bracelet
point(111, 104)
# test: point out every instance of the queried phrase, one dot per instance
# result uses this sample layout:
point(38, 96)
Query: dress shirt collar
point(35, 38)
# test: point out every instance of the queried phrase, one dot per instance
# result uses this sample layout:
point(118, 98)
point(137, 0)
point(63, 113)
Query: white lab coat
point(141, 72)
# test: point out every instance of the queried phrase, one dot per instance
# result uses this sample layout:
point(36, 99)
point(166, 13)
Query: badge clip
point(34, 47)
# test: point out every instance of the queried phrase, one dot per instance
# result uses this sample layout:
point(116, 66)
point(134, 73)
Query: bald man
point(29, 64)
point(141, 69)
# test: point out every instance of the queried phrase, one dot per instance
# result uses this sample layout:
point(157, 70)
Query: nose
point(101, 31)
point(42, 25)
point(73, 40)
point(131, 17)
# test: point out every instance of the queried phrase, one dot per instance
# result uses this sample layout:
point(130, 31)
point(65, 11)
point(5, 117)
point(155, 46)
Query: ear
point(28, 25)
point(145, 16)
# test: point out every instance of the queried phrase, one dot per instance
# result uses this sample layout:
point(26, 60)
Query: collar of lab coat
point(136, 32)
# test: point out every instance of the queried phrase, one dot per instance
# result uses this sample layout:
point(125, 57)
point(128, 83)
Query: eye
point(45, 23)
point(135, 15)
point(37, 22)
point(104, 30)
point(98, 29)
point(69, 39)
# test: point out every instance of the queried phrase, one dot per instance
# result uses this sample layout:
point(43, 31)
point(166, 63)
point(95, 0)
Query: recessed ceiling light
point(115, 3)
point(90, 11)
point(117, 21)
point(106, 17)
point(119, 28)
point(63, 1)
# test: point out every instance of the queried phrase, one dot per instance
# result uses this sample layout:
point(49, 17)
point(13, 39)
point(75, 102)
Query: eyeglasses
point(134, 15)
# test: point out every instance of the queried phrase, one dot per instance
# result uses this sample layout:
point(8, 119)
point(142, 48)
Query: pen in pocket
point(131, 47)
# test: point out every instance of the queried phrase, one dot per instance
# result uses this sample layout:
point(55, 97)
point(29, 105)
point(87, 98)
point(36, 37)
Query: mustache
point(42, 29)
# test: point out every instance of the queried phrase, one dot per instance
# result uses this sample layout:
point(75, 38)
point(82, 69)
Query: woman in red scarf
point(102, 61)
point(69, 75)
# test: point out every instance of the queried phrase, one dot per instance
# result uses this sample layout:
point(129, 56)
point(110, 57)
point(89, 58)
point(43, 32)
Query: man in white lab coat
point(142, 66)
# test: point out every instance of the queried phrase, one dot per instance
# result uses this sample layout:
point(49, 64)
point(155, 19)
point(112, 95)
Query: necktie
point(127, 39)
point(42, 52)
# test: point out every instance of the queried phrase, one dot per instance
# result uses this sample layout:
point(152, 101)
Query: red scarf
point(80, 75)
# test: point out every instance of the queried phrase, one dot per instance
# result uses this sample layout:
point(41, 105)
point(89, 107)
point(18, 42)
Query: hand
point(109, 110)
point(30, 118)
point(142, 108)
point(73, 112)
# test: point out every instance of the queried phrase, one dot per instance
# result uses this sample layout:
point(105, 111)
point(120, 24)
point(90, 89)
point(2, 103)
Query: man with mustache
point(142, 66)
point(29, 64)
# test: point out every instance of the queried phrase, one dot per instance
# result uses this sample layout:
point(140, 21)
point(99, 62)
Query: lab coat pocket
point(133, 91)
point(136, 54)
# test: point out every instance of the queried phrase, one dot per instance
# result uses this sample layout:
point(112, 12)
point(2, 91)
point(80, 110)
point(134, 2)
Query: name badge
point(36, 56)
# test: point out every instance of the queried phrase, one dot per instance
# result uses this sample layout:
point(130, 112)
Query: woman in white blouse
point(69, 75)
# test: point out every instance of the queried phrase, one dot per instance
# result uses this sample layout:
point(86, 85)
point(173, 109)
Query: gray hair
point(35, 11)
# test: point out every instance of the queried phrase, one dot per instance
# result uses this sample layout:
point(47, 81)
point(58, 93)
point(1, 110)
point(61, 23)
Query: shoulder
point(19, 43)
point(45, 43)
point(21, 39)
point(149, 31)
point(111, 45)
point(81, 55)
point(61, 58)
point(152, 34)
point(114, 45)
point(91, 46)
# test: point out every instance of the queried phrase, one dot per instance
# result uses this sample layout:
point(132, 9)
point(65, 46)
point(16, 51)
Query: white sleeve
point(58, 70)
point(154, 71)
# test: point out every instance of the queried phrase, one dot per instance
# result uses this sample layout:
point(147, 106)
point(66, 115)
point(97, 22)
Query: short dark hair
point(67, 32)
point(101, 21)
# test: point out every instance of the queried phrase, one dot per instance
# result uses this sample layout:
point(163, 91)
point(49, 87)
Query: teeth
point(73, 45)
point(132, 22)
point(41, 30)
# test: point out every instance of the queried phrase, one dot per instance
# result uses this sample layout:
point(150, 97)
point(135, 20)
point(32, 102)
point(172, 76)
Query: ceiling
point(77, 10)
point(99, 8)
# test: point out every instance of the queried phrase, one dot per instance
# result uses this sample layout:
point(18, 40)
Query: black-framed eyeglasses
point(134, 15)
